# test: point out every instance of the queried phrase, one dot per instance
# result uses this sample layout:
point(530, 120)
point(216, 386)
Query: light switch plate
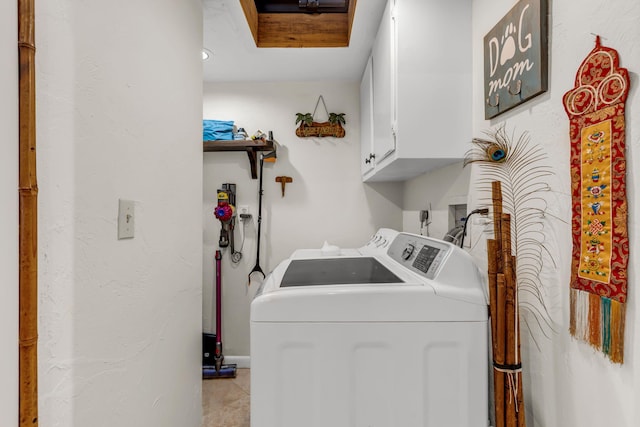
point(126, 219)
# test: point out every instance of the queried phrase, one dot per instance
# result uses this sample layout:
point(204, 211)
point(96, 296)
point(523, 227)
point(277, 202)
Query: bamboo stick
point(492, 267)
point(496, 280)
point(521, 413)
point(28, 225)
point(496, 197)
point(499, 386)
point(505, 326)
point(510, 312)
point(510, 353)
point(515, 406)
point(492, 270)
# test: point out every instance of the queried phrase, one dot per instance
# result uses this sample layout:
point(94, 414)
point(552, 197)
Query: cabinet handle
point(370, 159)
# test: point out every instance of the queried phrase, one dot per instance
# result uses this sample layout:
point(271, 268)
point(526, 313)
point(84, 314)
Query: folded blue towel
point(213, 130)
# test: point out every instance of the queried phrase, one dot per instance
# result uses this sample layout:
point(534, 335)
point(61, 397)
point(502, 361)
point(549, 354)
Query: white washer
point(393, 334)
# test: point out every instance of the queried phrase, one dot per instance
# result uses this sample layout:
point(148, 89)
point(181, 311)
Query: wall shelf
point(250, 146)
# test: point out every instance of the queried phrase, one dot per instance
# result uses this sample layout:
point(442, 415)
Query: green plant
point(335, 119)
point(306, 119)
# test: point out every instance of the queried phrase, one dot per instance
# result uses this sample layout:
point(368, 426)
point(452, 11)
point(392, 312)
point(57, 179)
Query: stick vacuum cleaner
point(219, 369)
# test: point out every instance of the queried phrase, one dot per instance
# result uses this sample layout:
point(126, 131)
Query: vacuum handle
point(218, 302)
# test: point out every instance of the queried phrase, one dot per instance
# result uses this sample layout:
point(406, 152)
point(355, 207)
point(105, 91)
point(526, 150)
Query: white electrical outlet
point(243, 211)
point(126, 219)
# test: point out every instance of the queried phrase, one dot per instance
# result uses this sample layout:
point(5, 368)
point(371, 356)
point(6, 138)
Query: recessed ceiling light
point(206, 54)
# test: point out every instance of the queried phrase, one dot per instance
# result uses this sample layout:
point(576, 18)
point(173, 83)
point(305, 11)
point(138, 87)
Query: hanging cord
point(483, 211)
point(454, 235)
point(320, 98)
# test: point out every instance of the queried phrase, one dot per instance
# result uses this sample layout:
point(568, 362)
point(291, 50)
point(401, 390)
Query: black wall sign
point(515, 57)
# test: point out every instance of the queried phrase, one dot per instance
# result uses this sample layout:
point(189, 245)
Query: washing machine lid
point(336, 271)
point(398, 277)
point(408, 299)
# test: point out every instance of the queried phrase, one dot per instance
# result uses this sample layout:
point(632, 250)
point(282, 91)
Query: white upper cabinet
point(366, 119)
point(421, 88)
point(384, 141)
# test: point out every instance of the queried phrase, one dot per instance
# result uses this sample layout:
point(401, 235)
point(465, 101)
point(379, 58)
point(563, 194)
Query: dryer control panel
point(379, 242)
point(420, 254)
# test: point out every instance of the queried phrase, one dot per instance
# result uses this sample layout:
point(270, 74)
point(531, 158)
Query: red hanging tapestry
point(595, 107)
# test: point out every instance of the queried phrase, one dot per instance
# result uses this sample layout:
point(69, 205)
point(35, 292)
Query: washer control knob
point(408, 251)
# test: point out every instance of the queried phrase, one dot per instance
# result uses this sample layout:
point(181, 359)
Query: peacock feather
point(520, 167)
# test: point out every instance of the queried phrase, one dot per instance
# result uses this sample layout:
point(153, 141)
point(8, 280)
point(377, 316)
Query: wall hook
point(283, 180)
point(518, 88)
point(497, 101)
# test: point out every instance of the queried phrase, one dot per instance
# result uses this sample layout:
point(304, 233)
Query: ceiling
point(235, 56)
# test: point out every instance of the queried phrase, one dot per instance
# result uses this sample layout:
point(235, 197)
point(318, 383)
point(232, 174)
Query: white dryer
point(394, 334)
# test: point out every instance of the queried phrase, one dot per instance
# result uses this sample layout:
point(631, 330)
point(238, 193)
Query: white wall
point(435, 191)
point(9, 214)
point(566, 382)
point(326, 201)
point(119, 106)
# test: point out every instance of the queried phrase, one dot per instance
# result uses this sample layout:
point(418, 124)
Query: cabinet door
point(383, 87)
point(366, 119)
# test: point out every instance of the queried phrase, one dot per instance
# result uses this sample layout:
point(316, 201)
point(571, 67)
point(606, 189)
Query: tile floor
point(225, 402)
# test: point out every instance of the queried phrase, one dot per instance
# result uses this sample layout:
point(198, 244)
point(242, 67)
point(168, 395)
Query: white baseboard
point(241, 361)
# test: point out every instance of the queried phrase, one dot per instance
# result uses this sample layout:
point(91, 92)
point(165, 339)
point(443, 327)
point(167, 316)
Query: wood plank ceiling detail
point(299, 29)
